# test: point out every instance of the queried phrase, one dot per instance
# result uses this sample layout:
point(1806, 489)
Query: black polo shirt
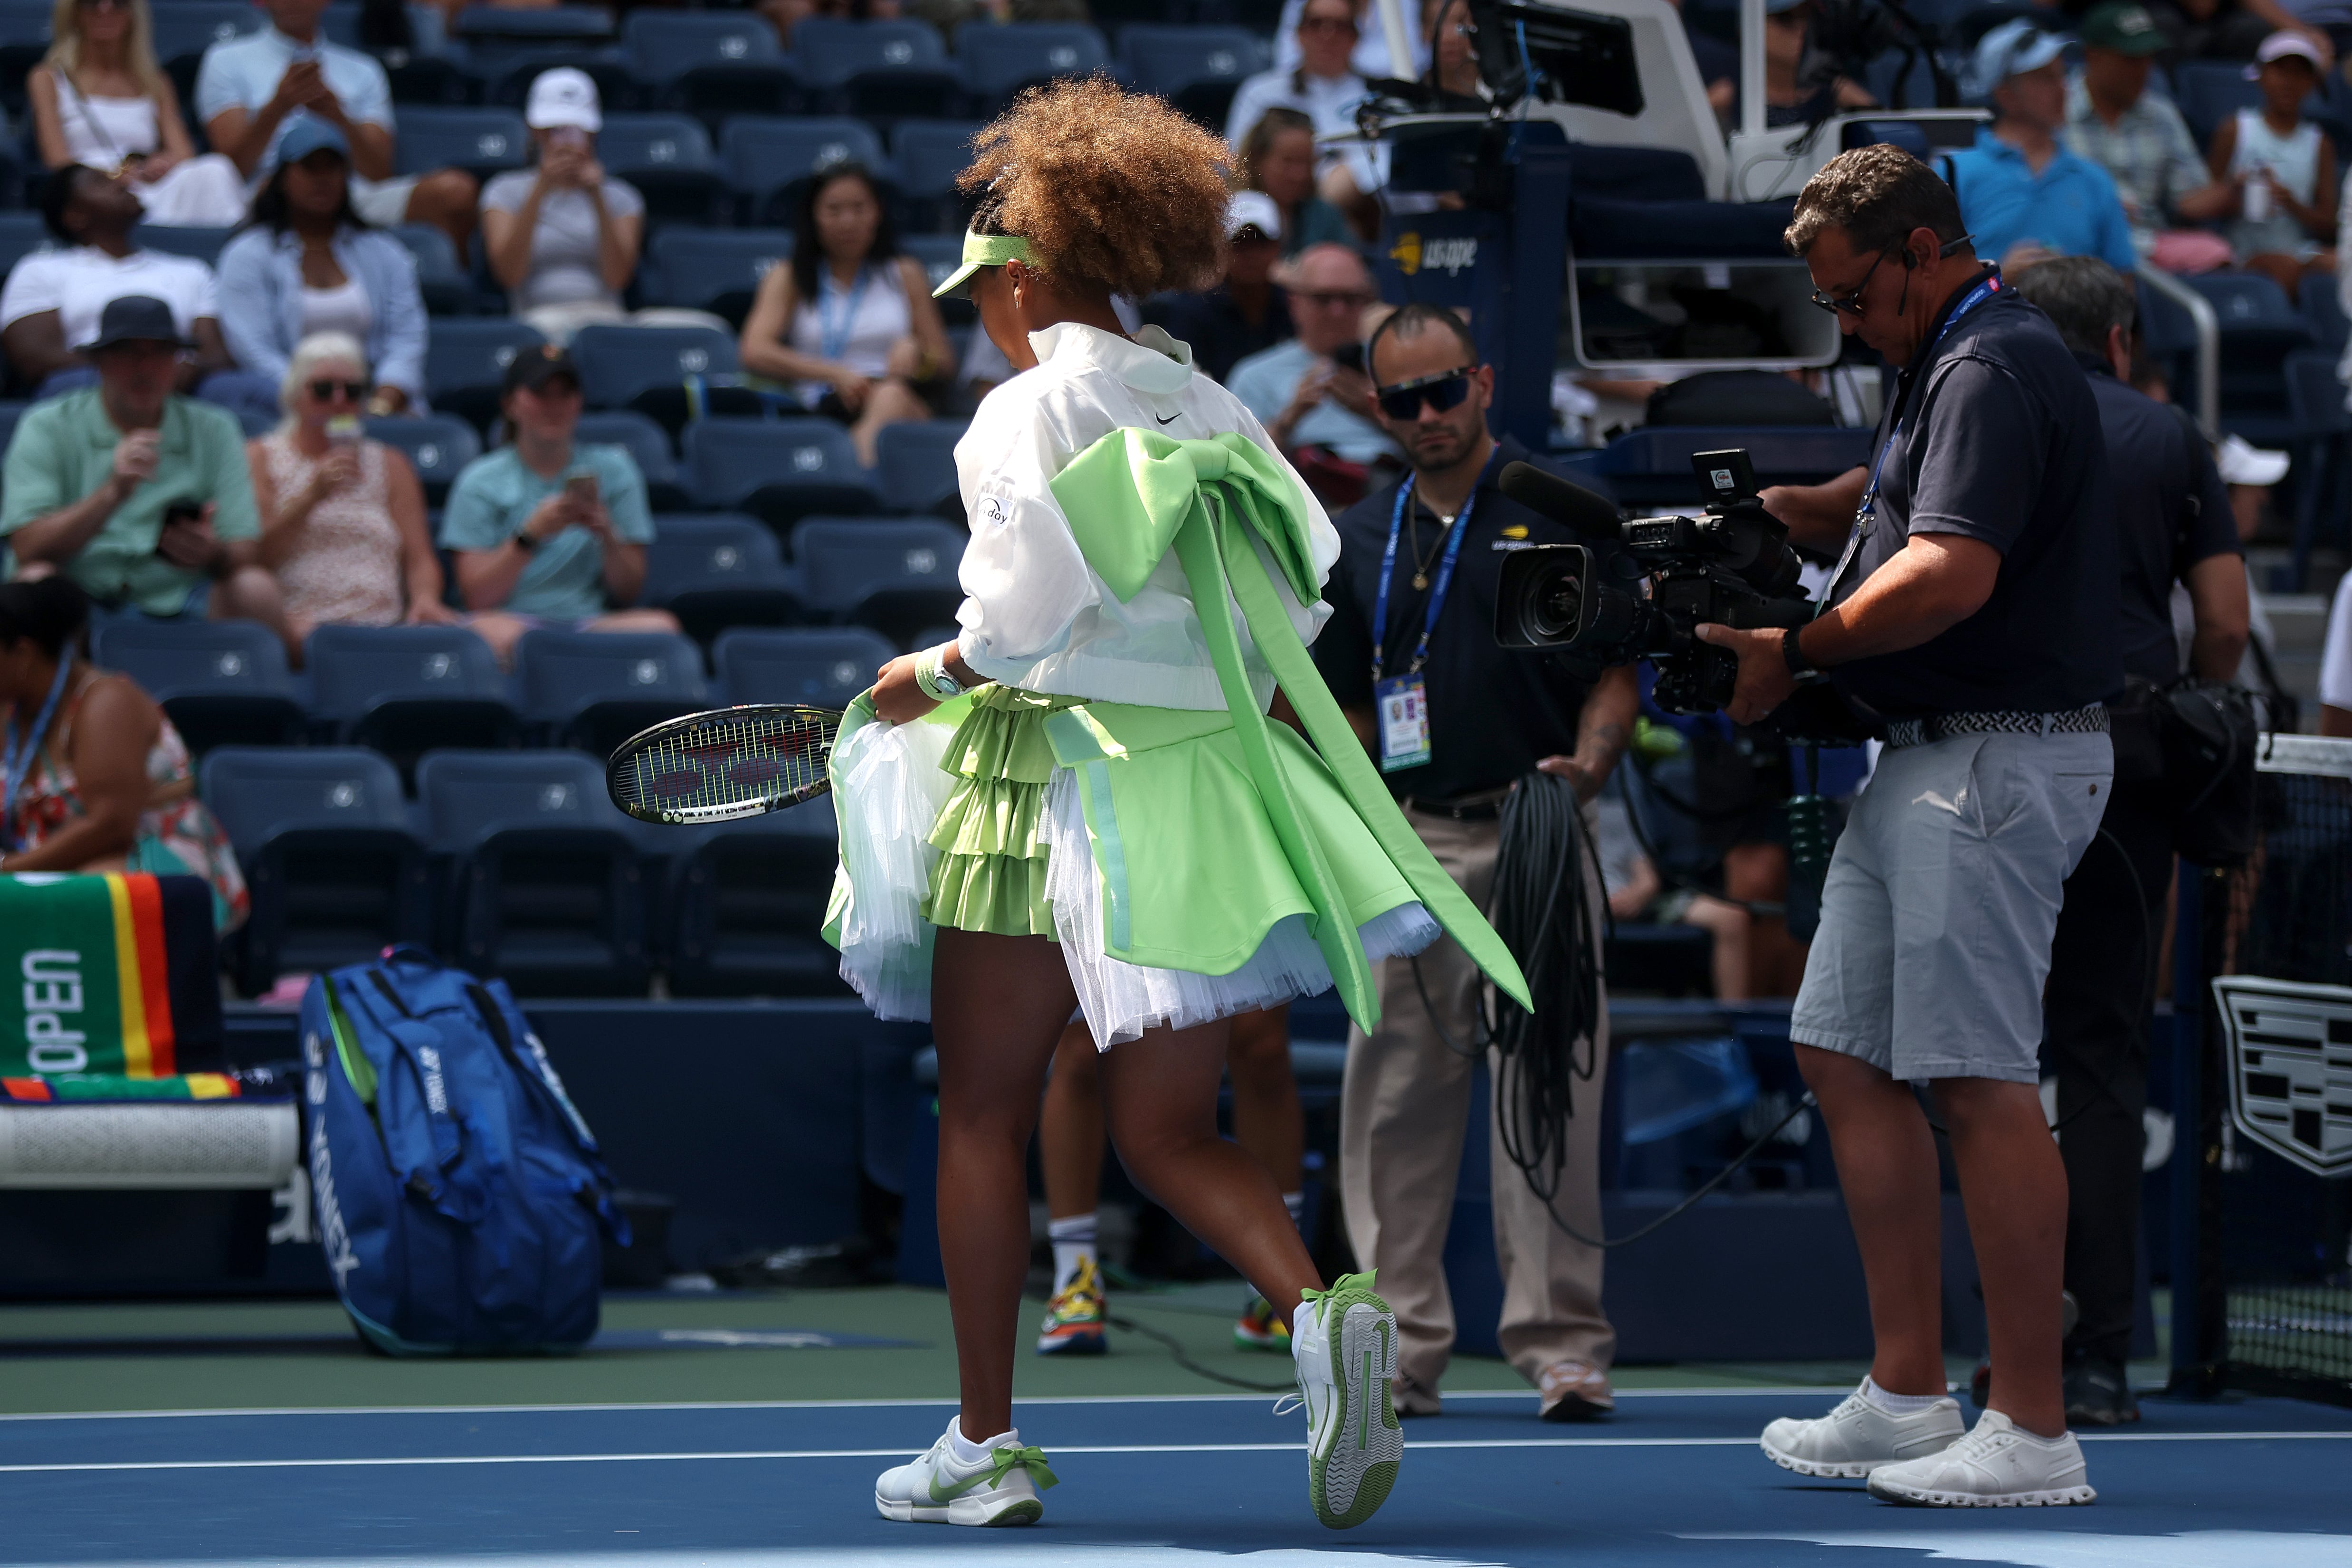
point(1999, 440)
point(2171, 512)
point(1493, 713)
point(1219, 335)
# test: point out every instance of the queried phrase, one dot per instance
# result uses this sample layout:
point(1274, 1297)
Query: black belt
point(1483, 806)
point(2091, 720)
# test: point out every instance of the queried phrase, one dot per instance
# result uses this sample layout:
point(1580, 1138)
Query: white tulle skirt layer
point(892, 790)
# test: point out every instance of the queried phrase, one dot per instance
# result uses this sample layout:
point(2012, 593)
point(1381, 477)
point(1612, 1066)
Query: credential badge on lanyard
point(1402, 701)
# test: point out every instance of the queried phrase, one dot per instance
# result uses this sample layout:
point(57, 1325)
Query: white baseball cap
point(2279, 46)
point(2012, 49)
point(563, 97)
point(1256, 210)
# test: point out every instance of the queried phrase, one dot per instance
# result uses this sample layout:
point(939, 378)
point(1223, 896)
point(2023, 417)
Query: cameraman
point(1413, 599)
point(1975, 611)
point(2173, 522)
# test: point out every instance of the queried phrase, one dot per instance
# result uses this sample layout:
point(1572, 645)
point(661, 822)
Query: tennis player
point(1080, 805)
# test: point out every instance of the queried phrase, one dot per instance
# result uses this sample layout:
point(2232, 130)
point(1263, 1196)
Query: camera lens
point(1552, 606)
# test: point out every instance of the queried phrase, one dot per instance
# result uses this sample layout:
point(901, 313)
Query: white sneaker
point(1344, 1343)
point(1854, 1440)
point(935, 1489)
point(1999, 1465)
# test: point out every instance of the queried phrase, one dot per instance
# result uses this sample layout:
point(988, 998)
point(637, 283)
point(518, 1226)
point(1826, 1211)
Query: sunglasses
point(1442, 392)
point(1850, 302)
point(325, 388)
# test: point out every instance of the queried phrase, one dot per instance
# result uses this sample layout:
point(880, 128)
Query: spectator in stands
point(850, 324)
point(251, 88)
point(2335, 665)
point(2021, 194)
point(140, 496)
point(1247, 313)
point(1637, 893)
point(99, 99)
point(1321, 86)
point(563, 237)
point(106, 785)
point(342, 517)
point(1369, 58)
point(2227, 29)
point(1453, 60)
point(1311, 393)
point(1277, 157)
point(546, 532)
point(308, 263)
point(2279, 170)
point(1796, 89)
point(947, 15)
point(50, 305)
point(2141, 140)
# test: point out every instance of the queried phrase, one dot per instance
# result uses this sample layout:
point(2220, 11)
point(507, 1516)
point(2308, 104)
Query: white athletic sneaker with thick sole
point(935, 1489)
point(1343, 1342)
point(1857, 1437)
point(1998, 1465)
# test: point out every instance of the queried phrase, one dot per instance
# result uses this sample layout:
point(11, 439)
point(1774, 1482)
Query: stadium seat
point(2323, 432)
point(877, 69)
point(24, 40)
point(765, 157)
point(1000, 61)
point(441, 277)
point(495, 26)
point(483, 141)
point(916, 463)
point(323, 839)
point(21, 235)
point(224, 683)
point(712, 64)
point(2260, 327)
point(465, 362)
point(439, 445)
point(197, 245)
point(941, 255)
point(546, 888)
point(748, 902)
point(812, 666)
point(929, 154)
point(667, 158)
point(716, 270)
point(619, 365)
point(2324, 308)
point(714, 572)
point(778, 470)
point(593, 690)
point(896, 574)
point(649, 448)
point(405, 689)
point(1196, 68)
point(185, 29)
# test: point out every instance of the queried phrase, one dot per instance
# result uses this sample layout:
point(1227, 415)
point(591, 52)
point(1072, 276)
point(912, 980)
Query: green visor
point(981, 250)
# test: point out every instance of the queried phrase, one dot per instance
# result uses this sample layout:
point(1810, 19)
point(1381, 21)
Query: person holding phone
point(546, 531)
point(99, 98)
point(1311, 391)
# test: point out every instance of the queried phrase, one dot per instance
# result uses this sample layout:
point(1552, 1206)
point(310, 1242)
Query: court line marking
point(233, 1411)
point(417, 1460)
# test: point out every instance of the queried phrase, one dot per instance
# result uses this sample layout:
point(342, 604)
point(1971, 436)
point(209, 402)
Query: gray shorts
point(1942, 900)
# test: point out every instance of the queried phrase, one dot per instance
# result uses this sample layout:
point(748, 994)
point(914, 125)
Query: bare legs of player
point(2013, 1186)
point(999, 1005)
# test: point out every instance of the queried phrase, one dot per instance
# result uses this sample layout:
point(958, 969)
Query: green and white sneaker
point(935, 1489)
point(1344, 1343)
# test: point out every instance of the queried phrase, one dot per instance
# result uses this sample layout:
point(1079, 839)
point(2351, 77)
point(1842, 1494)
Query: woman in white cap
point(99, 99)
point(562, 236)
point(2283, 225)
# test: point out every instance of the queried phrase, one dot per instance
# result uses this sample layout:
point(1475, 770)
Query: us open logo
point(2290, 1065)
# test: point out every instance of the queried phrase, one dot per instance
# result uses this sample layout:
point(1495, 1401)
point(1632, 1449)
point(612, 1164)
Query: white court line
point(236, 1411)
point(415, 1461)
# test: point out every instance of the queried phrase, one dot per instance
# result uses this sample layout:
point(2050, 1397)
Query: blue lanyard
point(833, 333)
point(17, 757)
point(1444, 572)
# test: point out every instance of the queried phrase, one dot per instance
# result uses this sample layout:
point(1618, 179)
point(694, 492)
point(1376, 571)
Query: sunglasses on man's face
point(1442, 392)
point(325, 388)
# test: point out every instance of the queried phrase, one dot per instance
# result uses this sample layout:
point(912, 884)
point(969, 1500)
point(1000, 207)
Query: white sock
point(1896, 1404)
point(1074, 1243)
point(968, 1455)
point(1297, 1203)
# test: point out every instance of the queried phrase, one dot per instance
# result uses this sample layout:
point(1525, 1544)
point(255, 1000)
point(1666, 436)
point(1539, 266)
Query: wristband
point(1792, 654)
point(932, 675)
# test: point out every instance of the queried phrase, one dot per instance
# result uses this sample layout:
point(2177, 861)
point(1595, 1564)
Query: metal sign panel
point(2290, 1066)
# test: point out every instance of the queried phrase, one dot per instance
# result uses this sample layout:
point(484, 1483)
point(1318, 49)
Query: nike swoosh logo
point(1170, 420)
point(955, 1492)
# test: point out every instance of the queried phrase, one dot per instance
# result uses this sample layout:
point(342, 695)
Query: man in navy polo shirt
point(2023, 195)
point(1975, 611)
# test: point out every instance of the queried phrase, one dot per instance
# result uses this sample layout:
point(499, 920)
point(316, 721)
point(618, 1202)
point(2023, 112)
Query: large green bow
point(1134, 496)
point(1003, 1461)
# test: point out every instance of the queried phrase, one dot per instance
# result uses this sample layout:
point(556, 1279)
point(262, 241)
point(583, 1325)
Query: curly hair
point(1110, 188)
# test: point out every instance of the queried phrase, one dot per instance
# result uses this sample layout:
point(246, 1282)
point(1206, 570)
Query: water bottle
point(2257, 184)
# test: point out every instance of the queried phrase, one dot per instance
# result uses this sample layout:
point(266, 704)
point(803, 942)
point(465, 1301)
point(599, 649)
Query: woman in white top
point(2282, 168)
point(99, 101)
point(850, 323)
point(342, 517)
point(1324, 87)
point(1079, 804)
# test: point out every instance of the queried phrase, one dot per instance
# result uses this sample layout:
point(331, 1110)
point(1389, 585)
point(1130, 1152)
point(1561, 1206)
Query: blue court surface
point(1145, 1483)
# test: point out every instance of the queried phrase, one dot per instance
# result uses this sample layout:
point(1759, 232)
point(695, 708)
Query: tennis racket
point(730, 763)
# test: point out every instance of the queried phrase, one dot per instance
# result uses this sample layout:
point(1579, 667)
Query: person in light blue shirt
point(1312, 406)
point(2023, 195)
point(549, 532)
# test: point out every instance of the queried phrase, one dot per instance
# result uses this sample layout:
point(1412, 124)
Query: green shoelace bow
point(1363, 1281)
point(1003, 1461)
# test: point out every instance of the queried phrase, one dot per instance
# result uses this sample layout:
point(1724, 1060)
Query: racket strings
point(726, 764)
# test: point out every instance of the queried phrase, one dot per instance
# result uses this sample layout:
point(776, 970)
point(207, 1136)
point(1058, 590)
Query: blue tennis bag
point(458, 1195)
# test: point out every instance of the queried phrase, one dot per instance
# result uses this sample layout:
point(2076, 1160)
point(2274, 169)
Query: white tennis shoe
point(1344, 1343)
point(936, 1489)
point(1858, 1437)
point(1999, 1465)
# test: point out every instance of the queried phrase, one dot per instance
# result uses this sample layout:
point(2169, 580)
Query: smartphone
point(570, 136)
point(581, 490)
point(181, 511)
point(1350, 357)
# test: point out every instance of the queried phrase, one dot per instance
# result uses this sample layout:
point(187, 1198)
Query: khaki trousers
point(1404, 1107)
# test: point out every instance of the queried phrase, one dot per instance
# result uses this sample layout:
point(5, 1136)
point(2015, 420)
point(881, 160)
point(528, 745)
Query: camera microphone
point(1589, 513)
